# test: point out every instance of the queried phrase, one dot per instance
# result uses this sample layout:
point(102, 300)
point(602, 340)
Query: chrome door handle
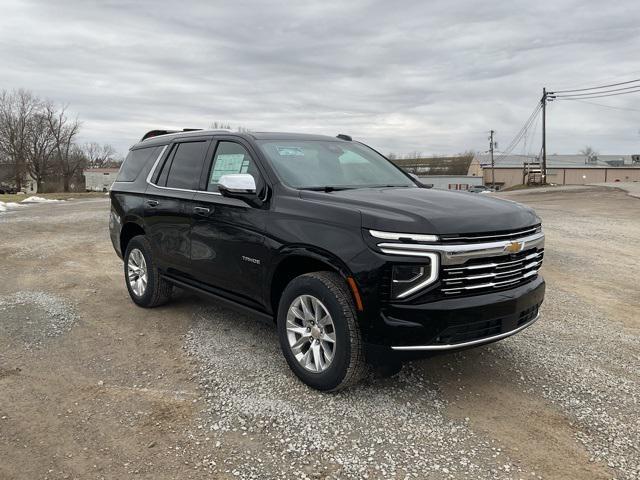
point(201, 210)
point(152, 203)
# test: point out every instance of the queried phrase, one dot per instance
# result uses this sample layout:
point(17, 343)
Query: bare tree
point(220, 126)
point(413, 155)
point(100, 156)
point(16, 110)
point(40, 148)
point(591, 156)
point(70, 161)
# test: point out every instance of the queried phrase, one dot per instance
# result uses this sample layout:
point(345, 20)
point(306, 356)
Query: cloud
point(427, 76)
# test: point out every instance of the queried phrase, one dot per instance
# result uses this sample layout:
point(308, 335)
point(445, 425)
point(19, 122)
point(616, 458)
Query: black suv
point(345, 252)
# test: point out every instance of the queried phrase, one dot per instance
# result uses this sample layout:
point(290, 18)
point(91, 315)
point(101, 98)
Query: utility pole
point(493, 165)
point(544, 136)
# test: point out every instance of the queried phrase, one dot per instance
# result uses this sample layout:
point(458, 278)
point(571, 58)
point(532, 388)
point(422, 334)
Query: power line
point(522, 131)
point(602, 105)
point(524, 128)
point(598, 96)
point(516, 140)
point(597, 88)
point(595, 93)
point(530, 139)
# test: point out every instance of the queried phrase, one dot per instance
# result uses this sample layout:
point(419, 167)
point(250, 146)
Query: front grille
point(488, 274)
point(467, 238)
point(471, 331)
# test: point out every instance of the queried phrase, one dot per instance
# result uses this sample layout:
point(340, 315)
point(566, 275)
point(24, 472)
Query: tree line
point(38, 138)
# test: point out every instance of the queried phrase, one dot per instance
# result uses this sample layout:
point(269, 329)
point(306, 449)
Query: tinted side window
point(185, 169)
point(161, 176)
point(230, 158)
point(135, 162)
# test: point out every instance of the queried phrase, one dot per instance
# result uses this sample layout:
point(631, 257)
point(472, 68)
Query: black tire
point(158, 291)
point(348, 365)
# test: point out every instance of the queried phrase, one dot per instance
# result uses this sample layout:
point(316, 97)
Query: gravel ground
point(393, 428)
point(34, 317)
point(590, 372)
point(93, 387)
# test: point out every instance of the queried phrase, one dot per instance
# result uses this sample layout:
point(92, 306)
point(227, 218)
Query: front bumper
point(462, 322)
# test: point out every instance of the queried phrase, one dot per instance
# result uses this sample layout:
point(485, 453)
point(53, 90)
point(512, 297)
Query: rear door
point(167, 214)
point(227, 238)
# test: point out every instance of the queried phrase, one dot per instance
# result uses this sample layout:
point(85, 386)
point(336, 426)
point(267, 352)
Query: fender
point(275, 285)
point(310, 251)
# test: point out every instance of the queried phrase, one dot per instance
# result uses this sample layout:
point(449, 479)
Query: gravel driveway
point(93, 387)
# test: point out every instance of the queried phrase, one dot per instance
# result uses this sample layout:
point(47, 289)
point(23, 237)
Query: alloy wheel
point(311, 333)
point(137, 272)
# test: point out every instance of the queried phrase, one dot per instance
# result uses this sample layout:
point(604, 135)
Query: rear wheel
point(145, 286)
point(318, 332)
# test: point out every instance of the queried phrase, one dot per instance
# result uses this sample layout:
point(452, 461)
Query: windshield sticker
point(290, 151)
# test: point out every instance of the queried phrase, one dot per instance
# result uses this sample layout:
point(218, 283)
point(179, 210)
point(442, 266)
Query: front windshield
point(320, 164)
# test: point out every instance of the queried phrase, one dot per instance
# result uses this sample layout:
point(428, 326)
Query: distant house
point(448, 173)
point(8, 178)
point(99, 179)
point(511, 170)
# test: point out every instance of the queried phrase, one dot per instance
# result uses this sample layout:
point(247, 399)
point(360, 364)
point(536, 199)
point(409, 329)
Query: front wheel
point(318, 332)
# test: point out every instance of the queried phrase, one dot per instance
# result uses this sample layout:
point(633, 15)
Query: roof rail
point(342, 136)
point(156, 133)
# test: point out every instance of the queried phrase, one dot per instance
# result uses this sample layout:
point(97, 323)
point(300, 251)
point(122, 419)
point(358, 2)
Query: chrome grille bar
point(459, 254)
point(494, 265)
point(491, 284)
point(496, 274)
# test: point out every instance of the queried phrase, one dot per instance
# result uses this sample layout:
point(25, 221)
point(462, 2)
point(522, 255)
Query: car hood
point(423, 210)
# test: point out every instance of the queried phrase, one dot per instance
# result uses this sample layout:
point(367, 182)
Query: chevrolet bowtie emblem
point(514, 247)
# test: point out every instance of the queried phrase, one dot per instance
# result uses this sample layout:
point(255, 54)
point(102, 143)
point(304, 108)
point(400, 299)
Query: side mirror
point(239, 185)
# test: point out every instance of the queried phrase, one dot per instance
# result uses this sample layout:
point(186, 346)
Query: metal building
point(100, 179)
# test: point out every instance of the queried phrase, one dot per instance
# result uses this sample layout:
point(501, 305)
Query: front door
point(227, 236)
point(167, 214)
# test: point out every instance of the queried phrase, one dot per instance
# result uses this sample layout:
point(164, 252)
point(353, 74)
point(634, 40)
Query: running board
point(265, 317)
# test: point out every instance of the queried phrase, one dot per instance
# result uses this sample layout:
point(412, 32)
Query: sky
point(402, 76)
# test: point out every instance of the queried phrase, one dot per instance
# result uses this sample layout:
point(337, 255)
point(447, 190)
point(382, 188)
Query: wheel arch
point(297, 261)
point(129, 230)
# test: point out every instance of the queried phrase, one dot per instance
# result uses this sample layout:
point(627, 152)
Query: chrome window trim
point(466, 344)
point(433, 276)
point(153, 170)
point(418, 237)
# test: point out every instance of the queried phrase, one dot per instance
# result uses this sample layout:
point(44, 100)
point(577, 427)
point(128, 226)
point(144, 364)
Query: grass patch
point(53, 196)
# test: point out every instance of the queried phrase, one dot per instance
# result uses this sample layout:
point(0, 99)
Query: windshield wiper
point(326, 188)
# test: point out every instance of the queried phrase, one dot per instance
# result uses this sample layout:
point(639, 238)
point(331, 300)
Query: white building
point(100, 179)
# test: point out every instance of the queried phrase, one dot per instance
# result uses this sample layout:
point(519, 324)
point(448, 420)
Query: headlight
point(408, 279)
